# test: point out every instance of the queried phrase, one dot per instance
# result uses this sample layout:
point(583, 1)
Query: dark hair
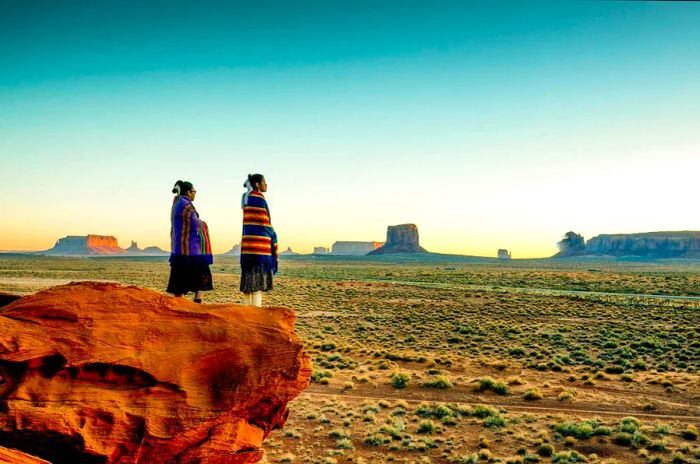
point(255, 179)
point(182, 187)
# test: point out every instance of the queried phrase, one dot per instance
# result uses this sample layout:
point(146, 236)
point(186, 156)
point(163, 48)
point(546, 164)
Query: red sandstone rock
point(12, 456)
point(98, 372)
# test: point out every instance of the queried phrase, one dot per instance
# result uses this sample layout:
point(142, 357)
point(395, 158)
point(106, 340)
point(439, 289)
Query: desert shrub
point(690, 433)
point(678, 458)
point(481, 411)
point(440, 382)
point(484, 383)
point(569, 441)
point(567, 395)
point(494, 422)
point(339, 433)
point(344, 443)
point(317, 375)
point(622, 438)
point(533, 394)
point(639, 439)
point(376, 439)
point(488, 383)
point(484, 442)
point(582, 430)
point(470, 459)
point(395, 430)
point(545, 450)
point(663, 429)
point(568, 456)
point(442, 411)
point(424, 410)
point(629, 425)
point(500, 388)
point(427, 427)
point(288, 457)
point(658, 445)
point(328, 346)
point(400, 380)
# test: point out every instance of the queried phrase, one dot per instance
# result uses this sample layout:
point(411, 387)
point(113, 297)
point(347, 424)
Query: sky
point(487, 124)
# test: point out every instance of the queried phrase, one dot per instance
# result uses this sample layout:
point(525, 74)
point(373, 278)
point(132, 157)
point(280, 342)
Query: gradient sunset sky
point(488, 124)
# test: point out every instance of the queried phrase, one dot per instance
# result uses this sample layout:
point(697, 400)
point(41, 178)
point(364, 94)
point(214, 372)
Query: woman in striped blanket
point(259, 242)
point(190, 255)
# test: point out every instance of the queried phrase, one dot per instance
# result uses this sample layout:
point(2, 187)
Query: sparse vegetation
point(451, 338)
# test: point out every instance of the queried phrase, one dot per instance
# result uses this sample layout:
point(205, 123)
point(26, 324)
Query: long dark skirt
point(256, 274)
point(189, 274)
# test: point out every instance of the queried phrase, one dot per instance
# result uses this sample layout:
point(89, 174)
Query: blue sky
point(489, 125)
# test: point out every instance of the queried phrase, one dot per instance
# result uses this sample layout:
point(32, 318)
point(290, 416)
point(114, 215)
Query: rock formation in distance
point(350, 248)
point(321, 250)
point(134, 248)
point(680, 244)
point(86, 245)
point(572, 244)
point(235, 251)
point(504, 254)
point(400, 239)
point(98, 372)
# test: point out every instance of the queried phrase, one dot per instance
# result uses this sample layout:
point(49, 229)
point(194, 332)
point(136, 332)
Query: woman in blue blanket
point(190, 255)
point(258, 243)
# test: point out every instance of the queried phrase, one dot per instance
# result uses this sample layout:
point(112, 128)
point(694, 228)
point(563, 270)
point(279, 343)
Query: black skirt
point(256, 276)
point(189, 273)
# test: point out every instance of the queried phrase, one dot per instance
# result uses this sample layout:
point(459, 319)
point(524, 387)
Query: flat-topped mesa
point(681, 244)
point(649, 245)
point(99, 372)
point(86, 245)
point(350, 248)
point(400, 239)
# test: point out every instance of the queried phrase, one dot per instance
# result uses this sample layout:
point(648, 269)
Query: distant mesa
point(321, 250)
point(654, 245)
point(400, 239)
point(288, 252)
point(504, 254)
point(154, 251)
point(86, 245)
point(235, 251)
point(99, 245)
point(345, 248)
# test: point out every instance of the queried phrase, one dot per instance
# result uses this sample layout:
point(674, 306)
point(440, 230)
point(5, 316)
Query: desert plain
point(458, 361)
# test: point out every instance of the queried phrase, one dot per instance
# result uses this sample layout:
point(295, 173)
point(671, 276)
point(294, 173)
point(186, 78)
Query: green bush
point(690, 433)
point(441, 382)
point(482, 411)
point(495, 422)
point(545, 450)
point(569, 456)
point(622, 438)
point(427, 427)
point(400, 380)
point(533, 394)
